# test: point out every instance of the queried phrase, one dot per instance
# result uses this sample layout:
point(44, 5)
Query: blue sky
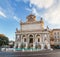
point(12, 11)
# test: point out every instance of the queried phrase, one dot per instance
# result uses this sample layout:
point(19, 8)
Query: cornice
point(25, 23)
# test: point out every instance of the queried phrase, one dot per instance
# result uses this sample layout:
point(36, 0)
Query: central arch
point(31, 39)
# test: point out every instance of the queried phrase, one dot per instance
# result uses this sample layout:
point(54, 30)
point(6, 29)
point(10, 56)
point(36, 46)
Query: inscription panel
point(31, 27)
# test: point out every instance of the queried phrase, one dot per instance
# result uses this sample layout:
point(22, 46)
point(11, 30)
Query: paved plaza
point(46, 53)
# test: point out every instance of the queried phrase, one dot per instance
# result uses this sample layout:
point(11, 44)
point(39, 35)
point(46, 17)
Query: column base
point(19, 45)
point(26, 45)
point(48, 46)
point(42, 46)
point(33, 46)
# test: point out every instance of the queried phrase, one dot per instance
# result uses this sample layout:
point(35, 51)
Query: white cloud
point(2, 14)
point(28, 9)
point(53, 14)
point(42, 3)
point(16, 18)
point(34, 11)
point(51, 10)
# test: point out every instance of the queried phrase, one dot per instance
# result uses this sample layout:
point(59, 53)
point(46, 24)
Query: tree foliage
point(3, 40)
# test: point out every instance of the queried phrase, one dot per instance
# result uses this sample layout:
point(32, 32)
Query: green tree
point(3, 40)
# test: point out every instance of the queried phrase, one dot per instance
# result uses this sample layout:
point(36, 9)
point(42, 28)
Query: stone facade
point(32, 34)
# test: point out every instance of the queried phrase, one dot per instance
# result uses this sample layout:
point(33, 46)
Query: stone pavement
point(46, 53)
